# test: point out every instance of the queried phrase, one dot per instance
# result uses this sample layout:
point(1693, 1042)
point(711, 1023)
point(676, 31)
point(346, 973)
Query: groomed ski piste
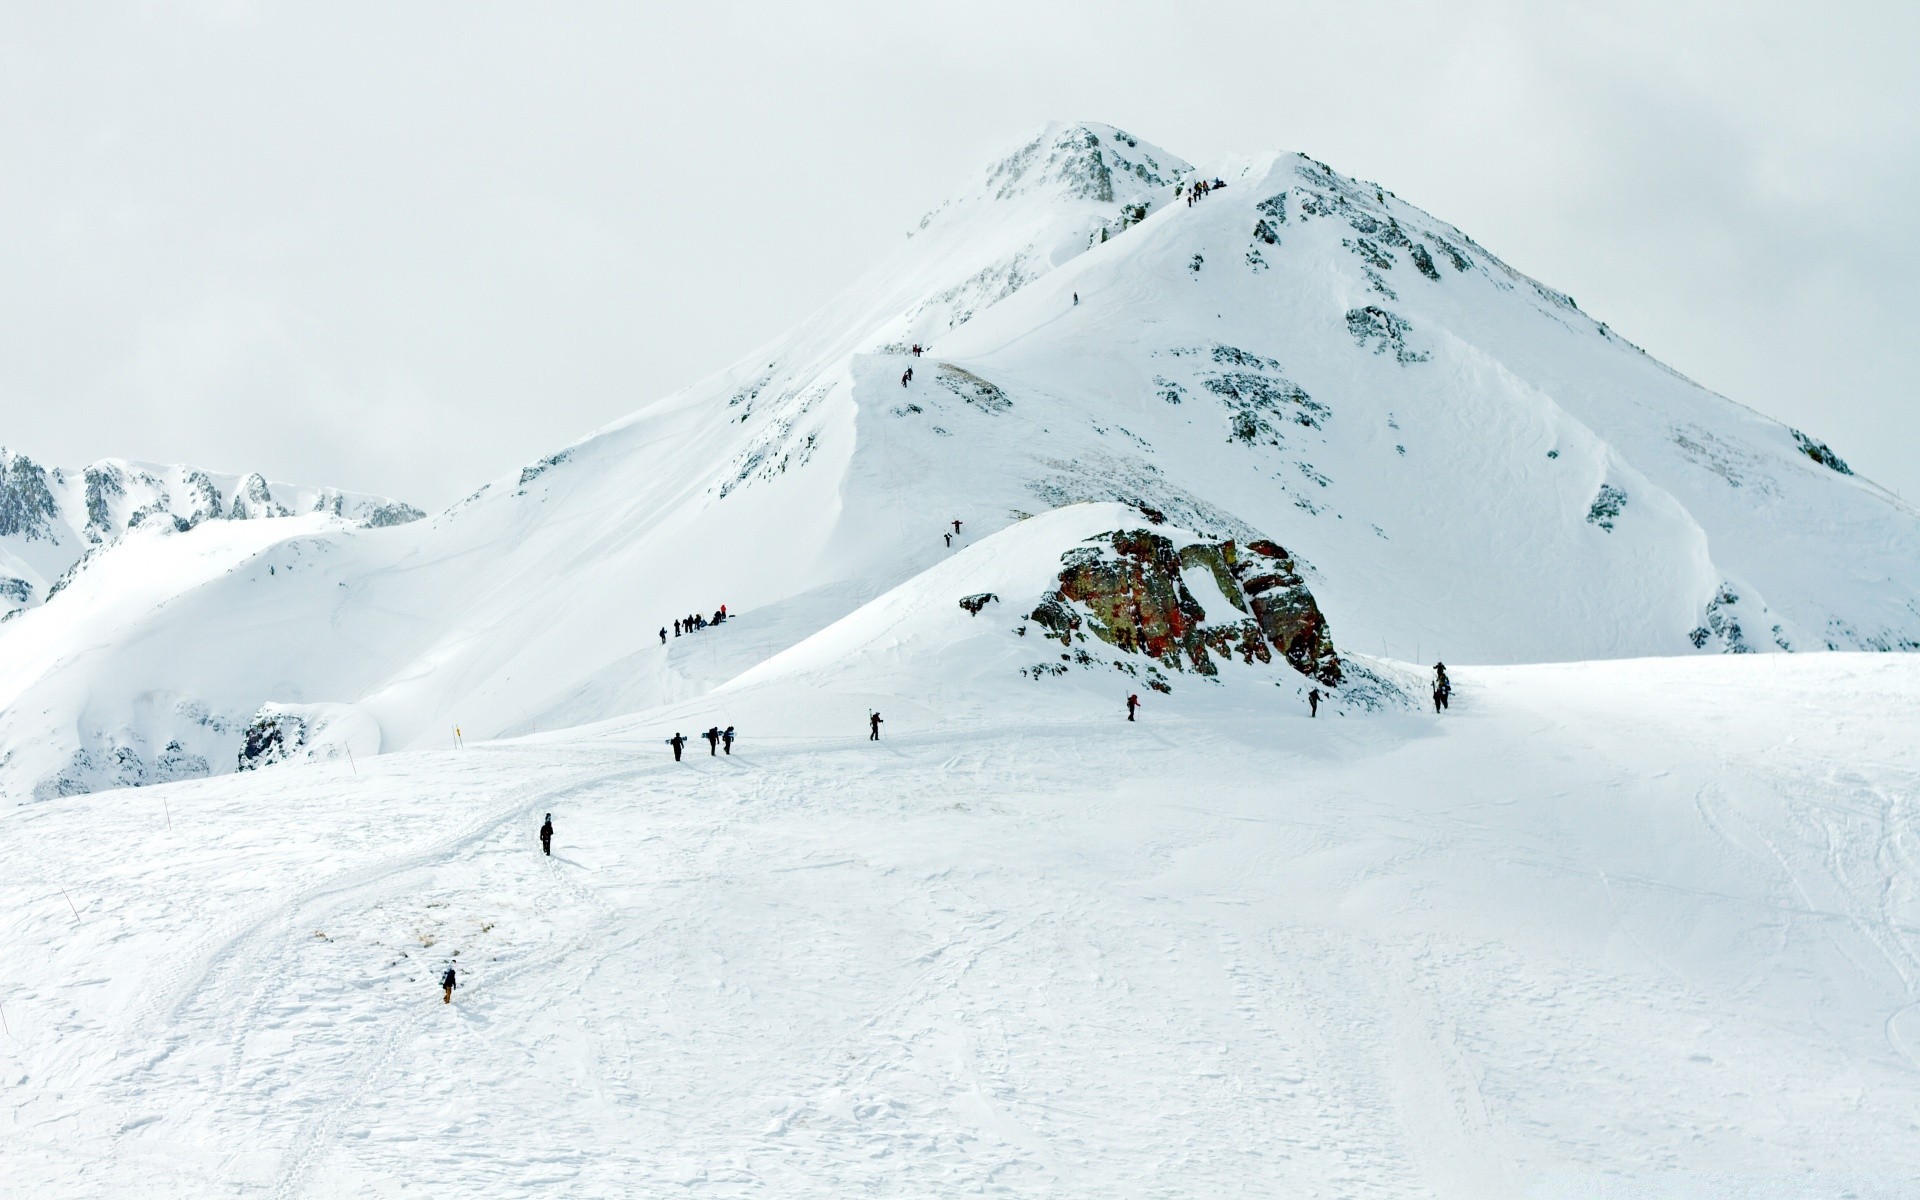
point(1636, 916)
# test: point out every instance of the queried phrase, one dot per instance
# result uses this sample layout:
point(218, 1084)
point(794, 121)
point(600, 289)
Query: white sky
point(407, 247)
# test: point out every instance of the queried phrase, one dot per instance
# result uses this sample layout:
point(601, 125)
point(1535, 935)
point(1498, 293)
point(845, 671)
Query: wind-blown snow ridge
point(1456, 459)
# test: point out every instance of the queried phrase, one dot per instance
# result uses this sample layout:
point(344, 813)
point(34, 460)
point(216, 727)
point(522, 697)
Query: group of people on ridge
point(954, 534)
point(692, 622)
point(1201, 187)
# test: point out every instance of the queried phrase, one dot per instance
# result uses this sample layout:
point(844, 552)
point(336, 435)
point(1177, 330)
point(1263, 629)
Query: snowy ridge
point(53, 521)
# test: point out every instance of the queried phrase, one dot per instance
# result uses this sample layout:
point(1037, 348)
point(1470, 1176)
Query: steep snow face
point(53, 521)
point(1456, 460)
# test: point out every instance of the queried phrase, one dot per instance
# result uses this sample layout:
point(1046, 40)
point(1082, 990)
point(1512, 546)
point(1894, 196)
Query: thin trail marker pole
point(76, 912)
point(350, 762)
point(3, 1020)
point(164, 807)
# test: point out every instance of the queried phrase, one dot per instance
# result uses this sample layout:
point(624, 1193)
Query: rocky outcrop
point(26, 506)
point(1138, 591)
point(253, 499)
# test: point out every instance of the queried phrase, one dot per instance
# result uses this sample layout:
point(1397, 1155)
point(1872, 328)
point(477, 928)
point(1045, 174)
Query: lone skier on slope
point(678, 743)
point(1313, 703)
point(446, 982)
point(546, 836)
point(873, 727)
point(1133, 702)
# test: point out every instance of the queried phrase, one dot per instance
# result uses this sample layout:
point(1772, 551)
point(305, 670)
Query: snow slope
point(1629, 928)
point(1463, 464)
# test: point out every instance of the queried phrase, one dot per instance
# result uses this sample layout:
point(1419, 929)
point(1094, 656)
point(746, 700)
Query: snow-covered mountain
point(1446, 459)
point(1641, 927)
point(51, 521)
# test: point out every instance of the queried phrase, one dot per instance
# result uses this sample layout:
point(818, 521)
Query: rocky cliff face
point(1141, 593)
point(51, 521)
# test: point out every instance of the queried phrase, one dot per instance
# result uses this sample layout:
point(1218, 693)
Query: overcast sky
point(407, 247)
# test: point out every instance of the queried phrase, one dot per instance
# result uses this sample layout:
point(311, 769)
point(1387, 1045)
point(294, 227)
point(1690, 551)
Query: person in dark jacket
point(663, 635)
point(676, 629)
point(726, 739)
point(713, 740)
point(446, 982)
point(873, 726)
point(546, 836)
point(1133, 702)
point(1313, 703)
point(678, 743)
point(956, 527)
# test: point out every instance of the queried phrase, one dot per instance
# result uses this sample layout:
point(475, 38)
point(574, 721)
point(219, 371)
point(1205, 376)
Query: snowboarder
point(1313, 703)
point(1133, 702)
point(446, 983)
point(713, 741)
point(546, 836)
point(873, 727)
point(678, 743)
point(663, 635)
point(726, 739)
point(956, 527)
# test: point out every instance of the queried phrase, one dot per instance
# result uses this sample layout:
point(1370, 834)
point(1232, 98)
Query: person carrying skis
point(1313, 703)
point(726, 739)
point(546, 836)
point(713, 741)
point(1133, 702)
point(678, 743)
point(447, 981)
point(956, 527)
point(873, 727)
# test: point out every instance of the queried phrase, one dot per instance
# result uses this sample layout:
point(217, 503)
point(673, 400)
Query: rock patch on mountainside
point(1139, 592)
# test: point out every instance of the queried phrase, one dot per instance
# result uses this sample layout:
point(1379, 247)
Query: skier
point(663, 635)
point(713, 741)
point(1133, 702)
point(678, 743)
point(447, 982)
point(873, 727)
point(546, 836)
point(726, 739)
point(1313, 703)
point(956, 527)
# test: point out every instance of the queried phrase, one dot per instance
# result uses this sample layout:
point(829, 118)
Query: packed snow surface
point(1634, 928)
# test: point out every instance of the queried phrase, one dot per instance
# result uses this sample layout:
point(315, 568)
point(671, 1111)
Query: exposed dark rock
point(1128, 589)
point(1818, 452)
point(1383, 331)
point(1607, 504)
point(272, 736)
point(395, 513)
point(979, 600)
point(26, 506)
point(253, 499)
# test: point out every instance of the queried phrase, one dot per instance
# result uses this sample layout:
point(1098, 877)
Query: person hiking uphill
point(678, 743)
point(1313, 703)
point(1133, 702)
point(726, 739)
point(873, 727)
point(446, 983)
point(907, 378)
point(713, 741)
point(956, 527)
point(546, 836)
